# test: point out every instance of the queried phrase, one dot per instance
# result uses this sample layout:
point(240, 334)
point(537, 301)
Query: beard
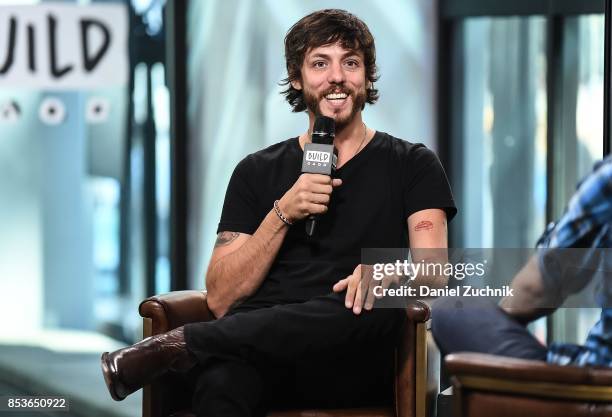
point(313, 103)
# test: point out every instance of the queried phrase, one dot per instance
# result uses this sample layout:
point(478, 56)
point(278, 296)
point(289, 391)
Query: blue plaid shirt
point(587, 223)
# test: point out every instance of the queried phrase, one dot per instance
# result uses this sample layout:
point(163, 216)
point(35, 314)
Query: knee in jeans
point(444, 315)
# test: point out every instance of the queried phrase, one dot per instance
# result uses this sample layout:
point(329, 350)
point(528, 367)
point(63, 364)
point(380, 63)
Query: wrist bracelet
point(280, 214)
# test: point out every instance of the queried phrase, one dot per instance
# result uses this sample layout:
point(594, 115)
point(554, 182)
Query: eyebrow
point(327, 56)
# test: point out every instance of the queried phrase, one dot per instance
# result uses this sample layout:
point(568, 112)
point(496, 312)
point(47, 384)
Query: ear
point(296, 84)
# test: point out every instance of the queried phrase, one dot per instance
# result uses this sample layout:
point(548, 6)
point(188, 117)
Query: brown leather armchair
point(417, 362)
point(489, 385)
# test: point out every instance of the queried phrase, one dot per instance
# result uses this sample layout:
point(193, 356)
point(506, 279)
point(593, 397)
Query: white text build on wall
point(59, 46)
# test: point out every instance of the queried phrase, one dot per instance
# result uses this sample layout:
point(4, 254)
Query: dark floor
point(26, 370)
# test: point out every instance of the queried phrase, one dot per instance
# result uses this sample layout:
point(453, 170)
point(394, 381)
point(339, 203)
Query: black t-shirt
point(382, 185)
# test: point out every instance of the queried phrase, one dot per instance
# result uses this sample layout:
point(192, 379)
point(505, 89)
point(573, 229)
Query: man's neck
point(349, 140)
point(350, 136)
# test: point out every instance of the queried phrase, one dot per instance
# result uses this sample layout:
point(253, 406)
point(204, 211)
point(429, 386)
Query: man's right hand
point(309, 195)
point(240, 262)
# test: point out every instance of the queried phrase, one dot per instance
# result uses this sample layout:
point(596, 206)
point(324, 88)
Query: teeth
point(336, 96)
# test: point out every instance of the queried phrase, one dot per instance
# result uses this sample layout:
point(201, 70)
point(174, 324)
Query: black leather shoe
point(129, 369)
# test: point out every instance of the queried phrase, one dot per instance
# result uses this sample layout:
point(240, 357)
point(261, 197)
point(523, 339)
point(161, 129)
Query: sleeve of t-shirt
point(426, 185)
point(240, 205)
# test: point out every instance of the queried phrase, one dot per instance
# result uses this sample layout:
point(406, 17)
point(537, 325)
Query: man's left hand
point(359, 288)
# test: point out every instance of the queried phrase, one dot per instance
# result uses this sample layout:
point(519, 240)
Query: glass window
point(72, 175)
point(499, 154)
point(502, 141)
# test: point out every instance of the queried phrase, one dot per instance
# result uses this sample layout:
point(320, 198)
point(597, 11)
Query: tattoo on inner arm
point(225, 238)
point(423, 225)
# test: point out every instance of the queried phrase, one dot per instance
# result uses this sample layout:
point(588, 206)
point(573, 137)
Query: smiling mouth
point(336, 100)
point(336, 96)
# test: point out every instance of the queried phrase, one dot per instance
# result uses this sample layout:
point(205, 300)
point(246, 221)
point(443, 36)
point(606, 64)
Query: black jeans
point(311, 354)
point(470, 324)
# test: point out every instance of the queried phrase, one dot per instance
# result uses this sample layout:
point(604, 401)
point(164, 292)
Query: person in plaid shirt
point(558, 269)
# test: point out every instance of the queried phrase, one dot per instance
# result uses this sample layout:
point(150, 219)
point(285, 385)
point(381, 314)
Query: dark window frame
point(457, 9)
point(176, 58)
point(607, 77)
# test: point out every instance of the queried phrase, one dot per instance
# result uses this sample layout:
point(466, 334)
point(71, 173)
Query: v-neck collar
point(357, 156)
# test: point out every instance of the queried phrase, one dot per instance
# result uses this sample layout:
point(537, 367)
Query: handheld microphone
point(320, 156)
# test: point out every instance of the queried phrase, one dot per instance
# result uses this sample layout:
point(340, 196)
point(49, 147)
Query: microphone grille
point(323, 130)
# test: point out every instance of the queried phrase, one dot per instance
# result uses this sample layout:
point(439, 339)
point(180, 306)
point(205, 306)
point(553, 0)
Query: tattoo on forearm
point(225, 238)
point(423, 225)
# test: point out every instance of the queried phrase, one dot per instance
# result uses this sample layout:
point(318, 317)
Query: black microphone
point(320, 156)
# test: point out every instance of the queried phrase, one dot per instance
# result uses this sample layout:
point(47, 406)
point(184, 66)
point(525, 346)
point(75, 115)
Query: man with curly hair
point(294, 328)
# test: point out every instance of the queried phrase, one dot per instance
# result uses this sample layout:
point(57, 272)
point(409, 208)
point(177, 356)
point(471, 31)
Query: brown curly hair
point(326, 27)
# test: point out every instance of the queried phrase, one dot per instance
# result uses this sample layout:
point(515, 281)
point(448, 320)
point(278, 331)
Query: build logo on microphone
point(318, 158)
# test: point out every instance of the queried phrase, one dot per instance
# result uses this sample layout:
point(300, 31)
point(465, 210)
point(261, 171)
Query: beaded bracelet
point(280, 214)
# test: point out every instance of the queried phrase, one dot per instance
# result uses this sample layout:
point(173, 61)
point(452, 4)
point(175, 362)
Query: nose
point(336, 74)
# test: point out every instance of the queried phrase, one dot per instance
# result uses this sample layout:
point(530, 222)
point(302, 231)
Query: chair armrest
point(418, 312)
point(162, 313)
point(175, 309)
point(414, 362)
point(501, 367)
point(486, 385)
